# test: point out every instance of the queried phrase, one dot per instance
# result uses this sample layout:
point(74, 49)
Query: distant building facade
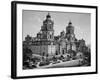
point(45, 43)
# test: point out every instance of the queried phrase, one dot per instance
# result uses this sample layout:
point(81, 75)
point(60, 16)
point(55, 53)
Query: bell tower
point(70, 32)
point(47, 28)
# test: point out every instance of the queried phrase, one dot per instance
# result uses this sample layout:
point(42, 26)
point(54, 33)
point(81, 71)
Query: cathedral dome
point(70, 28)
point(48, 19)
point(48, 16)
point(70, 25)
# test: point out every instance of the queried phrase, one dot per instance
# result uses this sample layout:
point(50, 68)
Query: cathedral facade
point(45, 43)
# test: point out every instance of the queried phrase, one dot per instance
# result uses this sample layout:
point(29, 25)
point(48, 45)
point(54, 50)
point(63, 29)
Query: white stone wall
point(74, 47)
point(68, 47)
point(35, 49)
point(44, 49)
point(51, 49)
point(47, 49)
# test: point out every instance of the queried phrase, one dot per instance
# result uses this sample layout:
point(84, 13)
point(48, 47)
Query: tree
point(88, 56)
point(27, 54)
point(72, 53)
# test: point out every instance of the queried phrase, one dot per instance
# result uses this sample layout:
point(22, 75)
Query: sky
point(33, 20)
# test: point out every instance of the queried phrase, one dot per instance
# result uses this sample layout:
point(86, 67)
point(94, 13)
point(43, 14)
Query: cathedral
point(45, 43)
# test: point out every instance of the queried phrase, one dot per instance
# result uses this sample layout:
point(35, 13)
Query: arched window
point(50, 36)
point(62, 51)
point(43, 53)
